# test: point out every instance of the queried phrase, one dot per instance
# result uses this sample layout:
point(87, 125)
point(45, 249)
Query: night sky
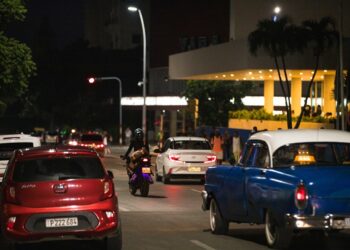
point(65, 18)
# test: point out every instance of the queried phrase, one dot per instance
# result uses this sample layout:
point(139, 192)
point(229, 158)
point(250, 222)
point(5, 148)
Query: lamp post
point(92, 80)
point(135, 9)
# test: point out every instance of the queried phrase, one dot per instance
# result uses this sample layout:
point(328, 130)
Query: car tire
point(277, 236)
point(144, 189)
point(165, 178)
point(218, 225)
point(114, 242)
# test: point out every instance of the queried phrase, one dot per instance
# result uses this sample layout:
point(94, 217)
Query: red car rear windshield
point(46, 169)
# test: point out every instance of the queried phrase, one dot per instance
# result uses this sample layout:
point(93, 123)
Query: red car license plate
point(62, 222)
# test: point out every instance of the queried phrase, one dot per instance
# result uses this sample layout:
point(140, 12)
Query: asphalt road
point(171, 218)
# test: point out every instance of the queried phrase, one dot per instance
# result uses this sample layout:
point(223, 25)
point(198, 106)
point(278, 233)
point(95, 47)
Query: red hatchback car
point(93, 140)
point(58, 192)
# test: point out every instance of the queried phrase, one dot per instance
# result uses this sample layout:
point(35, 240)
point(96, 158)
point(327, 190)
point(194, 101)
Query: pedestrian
point(217, 144)
point(236, 146)
point(128, 134)
point(254, 130)
point(106, 143)
point(227, 145)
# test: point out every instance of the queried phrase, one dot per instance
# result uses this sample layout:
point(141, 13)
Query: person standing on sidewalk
point(217, 144)
point(236, 146)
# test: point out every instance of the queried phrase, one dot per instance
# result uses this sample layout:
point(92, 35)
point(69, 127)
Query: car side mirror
point(110, 174)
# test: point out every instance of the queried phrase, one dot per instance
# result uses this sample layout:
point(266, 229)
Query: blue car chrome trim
point(326, 222)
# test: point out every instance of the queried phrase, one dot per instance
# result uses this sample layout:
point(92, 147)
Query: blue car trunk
point(328, 187)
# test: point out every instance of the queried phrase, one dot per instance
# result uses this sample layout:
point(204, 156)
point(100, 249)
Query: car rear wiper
point(67, 177)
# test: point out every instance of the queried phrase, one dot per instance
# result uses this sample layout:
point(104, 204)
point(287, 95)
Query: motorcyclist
point(139, 147)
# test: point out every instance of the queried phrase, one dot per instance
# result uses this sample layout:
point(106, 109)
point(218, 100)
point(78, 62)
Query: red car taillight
point(210, 158)
point(100, 146)
point(301, 196)
point(174, 157)
point(108, 189)
point(10, 223)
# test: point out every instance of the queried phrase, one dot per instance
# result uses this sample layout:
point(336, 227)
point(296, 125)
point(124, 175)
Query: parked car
point(11, 142)
point(58, 192)
point(51, 137)
point(93, 140)
point(184, 157)
point(292, 181)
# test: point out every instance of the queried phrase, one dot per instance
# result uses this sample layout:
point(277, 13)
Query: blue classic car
point(290, 180)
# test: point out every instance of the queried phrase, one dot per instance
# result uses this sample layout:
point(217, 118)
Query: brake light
point(108, 189)
point(301, 196)
point(10, 223)
point(144, 159)
point(210, 158)
point(174, 157)
point(99, 145)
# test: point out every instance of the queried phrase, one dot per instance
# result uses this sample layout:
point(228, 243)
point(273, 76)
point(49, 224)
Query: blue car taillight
point(301, 196)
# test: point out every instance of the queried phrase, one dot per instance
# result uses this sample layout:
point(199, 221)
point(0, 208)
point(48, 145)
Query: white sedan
point(184, 157)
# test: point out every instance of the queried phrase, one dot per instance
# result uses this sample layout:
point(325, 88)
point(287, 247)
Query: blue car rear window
point(320, 154)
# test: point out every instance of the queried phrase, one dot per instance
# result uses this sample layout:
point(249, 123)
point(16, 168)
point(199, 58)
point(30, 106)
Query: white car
point(184, 157)
point(9, 143)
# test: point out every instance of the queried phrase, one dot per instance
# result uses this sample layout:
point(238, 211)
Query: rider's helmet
point(138, 134)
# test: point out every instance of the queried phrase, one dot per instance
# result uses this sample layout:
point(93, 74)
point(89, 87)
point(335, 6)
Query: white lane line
point(121, 208)
point(195, 190)
point(202, 245)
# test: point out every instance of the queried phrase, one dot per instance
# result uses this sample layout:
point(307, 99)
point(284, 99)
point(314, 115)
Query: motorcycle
point(141, 176)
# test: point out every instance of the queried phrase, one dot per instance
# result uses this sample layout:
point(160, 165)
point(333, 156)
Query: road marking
point(195, 190)
point(202, 245)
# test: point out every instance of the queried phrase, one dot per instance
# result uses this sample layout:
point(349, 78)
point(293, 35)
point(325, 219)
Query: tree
point(319, 36)
point(277, 38)
point(16, 64)
point(215, 99)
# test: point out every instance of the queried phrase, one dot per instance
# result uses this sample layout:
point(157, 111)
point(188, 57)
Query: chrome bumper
point(326, 222)
point(205, 202)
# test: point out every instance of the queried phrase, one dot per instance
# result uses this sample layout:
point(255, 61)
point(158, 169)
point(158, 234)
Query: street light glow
point(132, 8)
point(91, 80)
point(277, 10)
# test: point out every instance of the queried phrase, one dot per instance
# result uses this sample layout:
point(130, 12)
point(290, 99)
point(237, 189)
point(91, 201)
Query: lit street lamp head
point(132, 8)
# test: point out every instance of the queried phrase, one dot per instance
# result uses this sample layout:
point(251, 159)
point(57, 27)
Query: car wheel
point(165, 178)
point(218, 224)
point(144, 189)
point(276, 236)
point(113, 243)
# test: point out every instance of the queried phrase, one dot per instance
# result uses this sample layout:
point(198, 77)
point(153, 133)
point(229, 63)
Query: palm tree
point(319, 36)
point(277, 38)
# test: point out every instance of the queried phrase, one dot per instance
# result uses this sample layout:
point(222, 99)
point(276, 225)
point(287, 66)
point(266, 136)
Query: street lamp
point(92, 80)
point(135, 9)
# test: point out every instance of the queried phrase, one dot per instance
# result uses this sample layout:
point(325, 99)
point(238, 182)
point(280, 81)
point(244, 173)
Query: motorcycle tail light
point(10, 223)
point(144, 159)
point(210, 158)
point(174, 157)
point(301, 196)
